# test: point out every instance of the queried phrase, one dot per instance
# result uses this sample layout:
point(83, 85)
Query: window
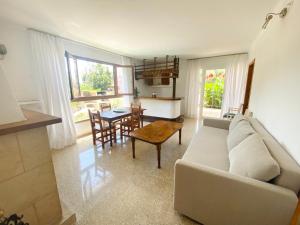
point(92, 79)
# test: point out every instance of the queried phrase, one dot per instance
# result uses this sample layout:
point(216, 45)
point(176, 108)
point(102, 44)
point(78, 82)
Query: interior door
point(248, 86)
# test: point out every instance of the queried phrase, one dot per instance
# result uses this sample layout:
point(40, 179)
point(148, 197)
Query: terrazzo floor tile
point(110, 187)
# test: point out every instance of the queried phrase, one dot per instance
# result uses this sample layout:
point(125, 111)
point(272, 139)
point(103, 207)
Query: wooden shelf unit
point(155, 69)
point(164, 70)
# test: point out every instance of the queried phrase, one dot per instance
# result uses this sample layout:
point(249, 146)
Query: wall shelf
point(155, 69)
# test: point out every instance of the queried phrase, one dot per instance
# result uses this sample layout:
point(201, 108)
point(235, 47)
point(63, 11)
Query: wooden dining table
point(117, 114)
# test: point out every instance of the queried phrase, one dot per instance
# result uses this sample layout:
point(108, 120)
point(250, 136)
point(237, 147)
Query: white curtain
point(50, 71)
point(235, 82)
point(194, 89)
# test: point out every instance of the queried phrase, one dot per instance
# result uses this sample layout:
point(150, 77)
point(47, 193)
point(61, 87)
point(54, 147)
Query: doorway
point(248, 85)
point(213, 92)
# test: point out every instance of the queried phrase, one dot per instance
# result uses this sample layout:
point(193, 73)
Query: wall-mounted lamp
point(270, 16)
point(3, 51)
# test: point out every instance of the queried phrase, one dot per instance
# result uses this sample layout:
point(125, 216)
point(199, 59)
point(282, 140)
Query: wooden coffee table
point(156, 133)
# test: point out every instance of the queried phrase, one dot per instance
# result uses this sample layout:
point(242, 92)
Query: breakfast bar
point(161, 107)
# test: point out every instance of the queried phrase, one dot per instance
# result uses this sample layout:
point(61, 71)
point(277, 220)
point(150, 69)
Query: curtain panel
point(52, 81)
point(194, 89)
point(235, 83)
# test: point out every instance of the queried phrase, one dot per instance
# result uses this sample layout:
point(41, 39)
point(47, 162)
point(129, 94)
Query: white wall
point(17, 63)
point(275, 97)
point(79, 49)
point(218, 62)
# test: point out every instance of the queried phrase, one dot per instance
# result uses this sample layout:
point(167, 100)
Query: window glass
point(92, 78)
point(95, 79)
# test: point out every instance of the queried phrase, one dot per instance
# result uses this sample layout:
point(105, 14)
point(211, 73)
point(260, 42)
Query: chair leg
point(94, 137)
point(121, 133)
point(110, 138)
point(102, 140)
point(115, 135)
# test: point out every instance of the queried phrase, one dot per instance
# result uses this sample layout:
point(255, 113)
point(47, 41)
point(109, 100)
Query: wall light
point(3, 51)
point(270, 16)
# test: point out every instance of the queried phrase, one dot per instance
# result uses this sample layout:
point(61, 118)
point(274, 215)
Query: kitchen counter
point(161, 98)
point(33, 120)
point(161, 107)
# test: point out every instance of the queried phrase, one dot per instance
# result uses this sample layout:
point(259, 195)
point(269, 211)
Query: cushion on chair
point(238, 117)
point(251, 158)
point(240, 132)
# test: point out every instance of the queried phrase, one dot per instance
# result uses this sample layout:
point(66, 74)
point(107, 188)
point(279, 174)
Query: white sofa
point(207, 192)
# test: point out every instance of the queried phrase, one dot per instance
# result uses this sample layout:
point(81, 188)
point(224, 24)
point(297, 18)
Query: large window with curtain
point(92, 79)
point(93, 82)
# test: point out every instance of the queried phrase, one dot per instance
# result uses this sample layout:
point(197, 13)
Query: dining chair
point(138, 105)
point(232, 111)
point(105, 107)
point(131, 123)
point(106, 134)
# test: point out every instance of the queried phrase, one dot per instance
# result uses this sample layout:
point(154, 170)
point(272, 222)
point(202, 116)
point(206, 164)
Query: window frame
point(115, 78)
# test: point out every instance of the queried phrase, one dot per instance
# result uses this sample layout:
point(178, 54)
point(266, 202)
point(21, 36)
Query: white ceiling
point(147, 28)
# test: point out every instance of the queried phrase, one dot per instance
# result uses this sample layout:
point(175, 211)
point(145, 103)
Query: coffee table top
point(156, 132)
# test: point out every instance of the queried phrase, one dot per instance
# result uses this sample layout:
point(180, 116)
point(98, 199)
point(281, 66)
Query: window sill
point(80, 99)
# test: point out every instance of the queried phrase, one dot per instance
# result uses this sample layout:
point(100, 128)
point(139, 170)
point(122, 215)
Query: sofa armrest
point(217, 123)
point(215, 197)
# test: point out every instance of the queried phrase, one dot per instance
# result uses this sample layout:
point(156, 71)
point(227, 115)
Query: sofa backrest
point(289, 169)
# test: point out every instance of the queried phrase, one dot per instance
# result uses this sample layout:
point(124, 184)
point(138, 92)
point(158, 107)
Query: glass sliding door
point(213, 92)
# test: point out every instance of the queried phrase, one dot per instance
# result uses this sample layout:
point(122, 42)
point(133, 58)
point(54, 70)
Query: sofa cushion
point(208, 147)
point(240, 132)
point(251, 158)
point(238, 117)
point(289, 169)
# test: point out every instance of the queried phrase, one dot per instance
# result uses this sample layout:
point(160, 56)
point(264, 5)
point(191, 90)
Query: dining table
point(116, 114)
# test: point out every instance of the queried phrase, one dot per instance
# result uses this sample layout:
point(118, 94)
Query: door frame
point(250, 74)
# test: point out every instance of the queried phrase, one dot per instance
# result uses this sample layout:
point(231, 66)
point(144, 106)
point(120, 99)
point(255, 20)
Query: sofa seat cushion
point(208, 147)
point(251, 158)
point(242, 130)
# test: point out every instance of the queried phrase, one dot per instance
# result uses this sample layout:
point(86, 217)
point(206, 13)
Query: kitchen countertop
point(161, 98)
point(34, 120)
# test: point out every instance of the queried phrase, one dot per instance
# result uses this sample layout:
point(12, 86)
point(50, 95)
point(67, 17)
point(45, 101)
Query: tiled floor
point(110, 187)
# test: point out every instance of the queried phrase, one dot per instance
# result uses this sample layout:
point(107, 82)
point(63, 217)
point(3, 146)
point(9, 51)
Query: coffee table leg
point(180, 136)
point(158, 155)
point(133, 146)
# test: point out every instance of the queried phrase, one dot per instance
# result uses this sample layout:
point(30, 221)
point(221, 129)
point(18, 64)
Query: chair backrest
point(105, 107)
point(135, 105)
point(136, 113)
point(236, 110)
point(95, 118)
point(92, 119)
